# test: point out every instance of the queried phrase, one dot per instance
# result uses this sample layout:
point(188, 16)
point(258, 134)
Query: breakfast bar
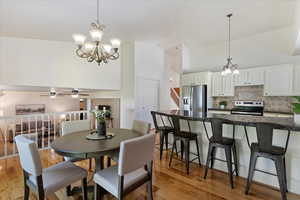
point(243, 128)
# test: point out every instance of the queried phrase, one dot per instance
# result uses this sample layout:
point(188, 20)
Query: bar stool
point(185, 137)
point(265, 148)
point(218, 141)
point(164, 128)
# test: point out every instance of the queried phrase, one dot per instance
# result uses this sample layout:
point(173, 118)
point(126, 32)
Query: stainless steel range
point(248, 108)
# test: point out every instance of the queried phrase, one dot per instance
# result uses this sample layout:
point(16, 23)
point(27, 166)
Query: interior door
point(147, 94)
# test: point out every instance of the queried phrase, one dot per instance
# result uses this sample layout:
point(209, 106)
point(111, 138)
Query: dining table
point(76, 145)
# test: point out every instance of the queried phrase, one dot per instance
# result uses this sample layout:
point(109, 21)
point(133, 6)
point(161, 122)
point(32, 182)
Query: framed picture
point(27, 109)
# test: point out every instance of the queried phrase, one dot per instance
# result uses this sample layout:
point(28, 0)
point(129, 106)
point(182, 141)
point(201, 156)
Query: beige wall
point(114, 103)
point(9, 100)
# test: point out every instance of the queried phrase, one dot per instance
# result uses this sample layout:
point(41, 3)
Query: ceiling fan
point(74, 93)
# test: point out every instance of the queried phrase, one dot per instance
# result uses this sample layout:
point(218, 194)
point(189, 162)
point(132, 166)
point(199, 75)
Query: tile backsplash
point(279, 104)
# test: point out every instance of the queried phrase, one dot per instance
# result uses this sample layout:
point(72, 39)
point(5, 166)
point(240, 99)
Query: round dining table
point(76, 145)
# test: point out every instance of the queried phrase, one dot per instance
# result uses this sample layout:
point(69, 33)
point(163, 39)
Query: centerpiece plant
point(101, 116)
point(296, 109)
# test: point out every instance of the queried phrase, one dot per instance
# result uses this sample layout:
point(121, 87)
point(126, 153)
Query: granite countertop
point(265, 111)
point(243, 120)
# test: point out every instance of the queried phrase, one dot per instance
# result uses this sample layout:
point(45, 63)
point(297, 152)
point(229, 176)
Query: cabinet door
point(241, 79)
point(228, 87)
point(217, 84)
point(279, 80)
point(256, 76)
point(186, 79)
point(296, 81)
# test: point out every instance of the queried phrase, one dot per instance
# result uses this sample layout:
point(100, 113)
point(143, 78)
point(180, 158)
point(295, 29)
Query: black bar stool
point(218, 141)
point(164, 128)
point(265, 148)
point(185, 137)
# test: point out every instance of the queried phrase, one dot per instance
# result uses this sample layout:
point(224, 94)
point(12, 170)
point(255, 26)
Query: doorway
point(147, 98)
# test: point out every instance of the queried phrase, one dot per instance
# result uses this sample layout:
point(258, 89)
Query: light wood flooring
point(169, 183)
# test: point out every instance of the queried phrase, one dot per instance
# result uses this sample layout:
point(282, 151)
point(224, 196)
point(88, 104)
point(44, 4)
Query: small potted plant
point(101, 116)
point(296, 109)
point(223, 104)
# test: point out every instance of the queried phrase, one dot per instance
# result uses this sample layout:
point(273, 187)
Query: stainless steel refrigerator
point(194, 99)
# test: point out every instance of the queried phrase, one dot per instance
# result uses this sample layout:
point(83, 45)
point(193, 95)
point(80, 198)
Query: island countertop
point(243, 120)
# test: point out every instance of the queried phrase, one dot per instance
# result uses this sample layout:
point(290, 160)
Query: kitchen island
point(243, 123)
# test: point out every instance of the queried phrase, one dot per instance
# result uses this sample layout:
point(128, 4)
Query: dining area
point(114, 165)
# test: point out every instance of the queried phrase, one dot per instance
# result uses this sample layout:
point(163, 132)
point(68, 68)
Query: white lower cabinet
point(279, 81)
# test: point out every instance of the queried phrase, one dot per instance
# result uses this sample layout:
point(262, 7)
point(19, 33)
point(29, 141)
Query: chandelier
point(96, 50)
point(229, 67)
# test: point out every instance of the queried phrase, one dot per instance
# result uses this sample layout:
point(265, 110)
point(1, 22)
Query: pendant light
point(229, 68)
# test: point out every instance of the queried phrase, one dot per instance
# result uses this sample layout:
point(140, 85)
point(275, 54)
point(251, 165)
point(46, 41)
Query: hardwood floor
point(169, 184)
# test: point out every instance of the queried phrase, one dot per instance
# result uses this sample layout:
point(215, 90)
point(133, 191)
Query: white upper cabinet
point(250, 77)
point(199, 78)
point(187, 79)
point(222, 85)
point(279, 80)
point(296, 86)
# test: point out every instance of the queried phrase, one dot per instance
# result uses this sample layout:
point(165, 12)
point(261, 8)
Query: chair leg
point(108, 161)
point(285, 174)
point(149, 190)
point(69, 190)
point(176, 150)
point(26, 192)
point(253, 158)
point(40, 189)
point(236, 167)
point(97, 192)
point(26, 187)
point(187, 155)
point(172, 152)
point(279, 164)
point(208, 159)
point(198, 152)
point(212, 157)
point(181, 149)
point(90, 164)
point(84, 189)
point(229, 164)
point(167, 140)
point(161, 144)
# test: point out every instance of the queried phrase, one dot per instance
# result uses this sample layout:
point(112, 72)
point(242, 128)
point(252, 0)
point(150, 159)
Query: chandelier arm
point(81, 53)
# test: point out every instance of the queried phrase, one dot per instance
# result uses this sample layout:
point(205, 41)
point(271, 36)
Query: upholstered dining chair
point(133, 170)
point(141, 126)
point(46, 181)
point(70, 127)
point(138, 126)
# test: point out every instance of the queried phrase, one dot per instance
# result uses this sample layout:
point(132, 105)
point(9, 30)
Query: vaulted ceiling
point(203, 21)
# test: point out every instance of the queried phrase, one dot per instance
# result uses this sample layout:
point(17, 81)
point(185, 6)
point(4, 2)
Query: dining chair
point(264, 148)
point(138, 126)
point(141, 126)
point(133, 170)
point(217, 140)
point(46, 181)
point(71, 127)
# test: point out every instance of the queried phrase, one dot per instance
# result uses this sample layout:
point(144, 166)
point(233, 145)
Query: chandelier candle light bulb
point(79, 39)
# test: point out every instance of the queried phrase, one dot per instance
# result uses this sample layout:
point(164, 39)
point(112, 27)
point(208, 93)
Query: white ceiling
point(202, 21)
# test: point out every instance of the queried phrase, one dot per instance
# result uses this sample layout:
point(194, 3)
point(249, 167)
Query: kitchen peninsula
point(247, 123)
